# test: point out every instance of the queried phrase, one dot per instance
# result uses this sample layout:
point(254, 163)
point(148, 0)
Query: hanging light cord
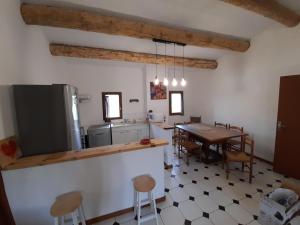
point(183, 61)
point(165, 60)
point(174, 60)
point(156, 59)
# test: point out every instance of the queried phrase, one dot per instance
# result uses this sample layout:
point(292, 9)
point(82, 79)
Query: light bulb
point(156, 81)
point(174, 82)
point(166, 82)
point(183, 82)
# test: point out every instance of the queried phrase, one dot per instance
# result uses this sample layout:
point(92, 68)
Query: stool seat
point(144, 183)
point(66, 204)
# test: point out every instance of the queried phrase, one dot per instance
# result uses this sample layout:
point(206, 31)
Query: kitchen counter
point(41, 160)
point(165, 131)
point(164, 126)
point(103, 175)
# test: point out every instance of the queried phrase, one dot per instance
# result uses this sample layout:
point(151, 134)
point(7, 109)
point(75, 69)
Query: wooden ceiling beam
point(270, 9)
point(91, 21)
point(109, 54)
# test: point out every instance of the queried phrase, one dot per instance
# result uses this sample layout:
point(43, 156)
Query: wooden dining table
point(209, 135)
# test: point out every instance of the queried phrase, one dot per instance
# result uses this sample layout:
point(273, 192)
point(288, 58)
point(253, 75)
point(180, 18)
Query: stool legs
point(56, 221)
point(62, 220)
point(153, 206)
point(74, 218)
point(135, 203)
point(82, 216)
point(138, 206)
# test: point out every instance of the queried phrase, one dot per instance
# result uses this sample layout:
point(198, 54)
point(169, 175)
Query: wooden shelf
point(42, 160)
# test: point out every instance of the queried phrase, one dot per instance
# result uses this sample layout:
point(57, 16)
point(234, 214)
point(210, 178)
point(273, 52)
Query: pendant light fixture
point(166, 81)
point(183, 81)
point(174, 81)
point(156, 81)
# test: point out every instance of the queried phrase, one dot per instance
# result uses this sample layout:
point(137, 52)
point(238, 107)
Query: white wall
point(246, 85)
point(197, 94)
point(92, 77)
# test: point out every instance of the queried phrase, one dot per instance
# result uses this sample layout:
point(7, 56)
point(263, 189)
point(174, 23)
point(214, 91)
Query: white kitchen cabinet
point(129, 133)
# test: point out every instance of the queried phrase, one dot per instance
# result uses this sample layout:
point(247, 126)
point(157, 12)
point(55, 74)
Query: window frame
point(170, 103)
point(104, 106)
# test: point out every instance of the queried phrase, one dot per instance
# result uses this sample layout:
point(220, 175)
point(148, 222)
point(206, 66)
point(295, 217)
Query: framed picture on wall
point(158, 92)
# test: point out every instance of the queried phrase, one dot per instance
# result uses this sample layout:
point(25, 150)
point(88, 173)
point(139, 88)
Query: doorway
point(287, 148)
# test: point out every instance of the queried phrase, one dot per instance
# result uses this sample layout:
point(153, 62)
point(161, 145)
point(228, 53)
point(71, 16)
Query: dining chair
point(235, 143)
point(187, 146)
point(175, 136)
point(221, 125)
point(195, 119)
point(232, 155)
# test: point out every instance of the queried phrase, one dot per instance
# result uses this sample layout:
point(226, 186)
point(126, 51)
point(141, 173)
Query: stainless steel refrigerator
point(47, 118)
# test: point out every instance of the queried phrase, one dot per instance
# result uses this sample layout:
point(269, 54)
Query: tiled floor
point(199, 194)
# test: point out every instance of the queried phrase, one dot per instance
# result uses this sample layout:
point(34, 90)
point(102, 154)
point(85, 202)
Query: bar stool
point(68, 204)
point(144, 184)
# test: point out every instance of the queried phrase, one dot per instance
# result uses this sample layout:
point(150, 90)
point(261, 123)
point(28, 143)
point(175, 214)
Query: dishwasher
point(99, 135)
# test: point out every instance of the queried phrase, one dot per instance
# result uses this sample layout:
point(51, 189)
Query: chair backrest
point(241, 129)
point(250, 142)
point(195, 119)
point(223, 125)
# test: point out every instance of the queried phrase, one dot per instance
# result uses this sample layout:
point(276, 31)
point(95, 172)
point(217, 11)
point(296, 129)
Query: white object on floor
point(295, 221)
point(272, 212)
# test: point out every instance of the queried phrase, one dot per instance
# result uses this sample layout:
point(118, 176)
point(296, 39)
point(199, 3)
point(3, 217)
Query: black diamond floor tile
point(206, 193)
point(206, 178)
point(248, 196)
point(259, 190)
point(242, 180)
point(205, 214)
point(176, 204)
point(194, 181)
point(184, 172)
point(167, 190)
point(181, 185)
point(219, 188)
point(278, 181)
point(206, 167)
point(261, 172)
point(221, 207)
point(196, 170)
point(255, 217)
point(236, 201)
point(231, 184)
point(217, 174)
point(116, 223)
point(270, 185)
point(192, 198)
point(158, 210)
point(187, 222)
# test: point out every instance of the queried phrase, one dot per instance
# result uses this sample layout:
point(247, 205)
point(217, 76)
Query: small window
point(112, 105)
point(176, 103)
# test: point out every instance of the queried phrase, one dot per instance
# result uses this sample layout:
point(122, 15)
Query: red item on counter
point(145, 141)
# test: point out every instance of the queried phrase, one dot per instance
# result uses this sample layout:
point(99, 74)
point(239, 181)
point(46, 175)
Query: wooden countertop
point(41, 160)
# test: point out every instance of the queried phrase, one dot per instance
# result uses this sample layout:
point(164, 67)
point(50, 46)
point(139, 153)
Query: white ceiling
point(208, 15)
